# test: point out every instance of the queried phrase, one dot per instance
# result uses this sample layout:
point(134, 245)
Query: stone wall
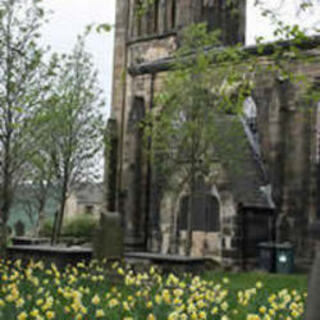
point(286, 130)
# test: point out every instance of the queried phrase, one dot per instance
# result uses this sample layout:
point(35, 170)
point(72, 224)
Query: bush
point(80, 226)
point(46, 228)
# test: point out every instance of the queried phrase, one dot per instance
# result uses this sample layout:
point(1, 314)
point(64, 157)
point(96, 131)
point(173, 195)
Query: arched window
point(173, 17)
point(183, 213)
point(206, 214)
point(137, 16)
point(146, 18)
point(249, 120)
point(170, 14)
point(137, 113)
point(156, 16)
point(211, 13)
point(212, 214)
point(227, 17)
point(250, 113)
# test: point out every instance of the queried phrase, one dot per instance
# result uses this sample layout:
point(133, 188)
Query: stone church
point(275, 195)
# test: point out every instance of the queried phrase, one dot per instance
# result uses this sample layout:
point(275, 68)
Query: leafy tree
point(183, 128)
point(40, 185)
point(39, 181)
point(73, 126)
point(20, 93)
point(205, 85)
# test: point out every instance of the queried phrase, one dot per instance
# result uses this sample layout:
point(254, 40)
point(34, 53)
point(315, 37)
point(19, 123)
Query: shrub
point(46, 228)
point(81, 226)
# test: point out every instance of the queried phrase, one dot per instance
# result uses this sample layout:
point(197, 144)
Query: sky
point(70, 18)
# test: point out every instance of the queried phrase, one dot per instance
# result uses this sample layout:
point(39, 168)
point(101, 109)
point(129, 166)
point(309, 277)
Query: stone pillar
point(232, 240)
point(119, 83)
point(312, 312)
point(111, 166)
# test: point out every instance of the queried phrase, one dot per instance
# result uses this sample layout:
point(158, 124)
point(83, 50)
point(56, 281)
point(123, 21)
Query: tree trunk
point(59, 218)
point(3, 239)
point(190, 209)
point(40, 219)
point(4, 221)
point(6, 204)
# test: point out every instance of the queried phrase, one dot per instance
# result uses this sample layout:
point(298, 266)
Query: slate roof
point(243, 167)
point(89, 193)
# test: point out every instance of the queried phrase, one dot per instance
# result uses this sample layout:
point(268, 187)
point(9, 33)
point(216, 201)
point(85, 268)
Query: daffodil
point(95, 300)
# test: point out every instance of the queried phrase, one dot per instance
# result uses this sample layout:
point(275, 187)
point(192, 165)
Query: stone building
point(275, 192)
point(85, 198)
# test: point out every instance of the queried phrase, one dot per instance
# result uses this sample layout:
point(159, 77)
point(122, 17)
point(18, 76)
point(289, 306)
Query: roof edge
point(166, 64)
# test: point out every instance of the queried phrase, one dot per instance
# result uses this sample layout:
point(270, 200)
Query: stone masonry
point(277, 188)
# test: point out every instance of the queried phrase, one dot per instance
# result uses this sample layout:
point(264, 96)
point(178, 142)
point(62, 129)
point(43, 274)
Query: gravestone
point(19, 228)
point(108, 241)
point(313, 302)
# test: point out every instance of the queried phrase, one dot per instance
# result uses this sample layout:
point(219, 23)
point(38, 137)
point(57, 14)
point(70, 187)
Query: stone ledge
point(50, 249)
point(61, 256)
point(164, 257)
point(17, 241)
point(167, 64)
point(134, 40)
point(170, 262)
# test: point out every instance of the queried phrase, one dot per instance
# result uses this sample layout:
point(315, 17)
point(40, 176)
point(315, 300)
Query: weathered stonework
point(278, 190)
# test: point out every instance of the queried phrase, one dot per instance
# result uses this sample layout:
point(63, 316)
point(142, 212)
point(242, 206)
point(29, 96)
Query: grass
point(272, 282)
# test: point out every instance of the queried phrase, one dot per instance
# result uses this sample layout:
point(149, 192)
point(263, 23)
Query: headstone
point(108, 242)
point(19, 228)
point(313, 302)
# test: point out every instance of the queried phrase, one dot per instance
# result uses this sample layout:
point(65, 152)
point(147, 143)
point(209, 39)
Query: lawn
point(116, 292)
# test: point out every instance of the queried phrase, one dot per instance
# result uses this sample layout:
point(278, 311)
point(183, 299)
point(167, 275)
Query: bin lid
point(274, 245)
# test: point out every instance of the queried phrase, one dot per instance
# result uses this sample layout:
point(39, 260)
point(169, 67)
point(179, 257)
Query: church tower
point(143, 38)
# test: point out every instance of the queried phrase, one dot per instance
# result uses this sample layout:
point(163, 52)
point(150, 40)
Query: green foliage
point(21, 93)
point(195, 94)
point(46, 228)
point(142, 7)
point(71, 125)
point(99, 28)
point(282, 61)
point(81, 226)
point(51, 126)
point(184, 125)
point(113, 291)
point(196, 120)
